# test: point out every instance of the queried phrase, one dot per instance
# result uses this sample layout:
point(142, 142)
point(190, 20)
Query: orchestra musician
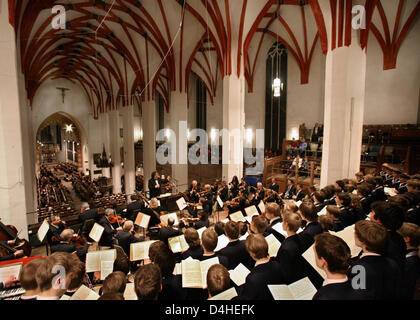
point(107, 239)
point(15, 255)
point(154, 211)
point(65, 245)
point(290, 190)
point(234, 187)
point(154, 185)
point(56, 227)
point(274, 186)
point(223, 192)
point(239, 203)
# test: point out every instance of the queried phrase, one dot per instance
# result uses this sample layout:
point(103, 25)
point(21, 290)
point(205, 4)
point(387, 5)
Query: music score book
point(225, 295)
point(181, 203)
point(237, 216)
point(323, 212)
point(84, 293)
point(10, 270)
point(299, 290)
point(94, 259)
point(390, 191)
point(219, 201)
point(273, 245)
point(178, 244)
point(261, 206)
point(298, 203)
point(239, 274)
point(140, 250)
point(309, 256)
point(222, 242)
point(96, 232)
point(194, 272)
point(164, 219)
point(142, 220)
point(251, 211)
point(43, 229)
point(107, 267)
point(348, 236)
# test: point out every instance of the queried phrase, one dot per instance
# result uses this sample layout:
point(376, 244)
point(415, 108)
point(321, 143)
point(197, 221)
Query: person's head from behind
point(192, 237)
point(171, 222)
point(232, 230)
point(163, 257)
point(258, 224)
point(370, 236)
point(333, 212)
point(209, 240)
point(343, 199)
point(78, 274)
point(319, 197)
point(219, 227)
point(114, 283)
point(411, 235)
point(148, 282)
point(218, 279)
point(243, 228)
point(84, 207)
point(389, 215)
point(54, 274)
point(308, 211)
point(291, 222)
point(121, 263)
point(128, 226)
point(332, 253)
point(272, 210)
point(257, 247)
point(27, 277)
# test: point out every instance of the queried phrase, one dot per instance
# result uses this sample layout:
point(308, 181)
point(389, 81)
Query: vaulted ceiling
point(125, 51)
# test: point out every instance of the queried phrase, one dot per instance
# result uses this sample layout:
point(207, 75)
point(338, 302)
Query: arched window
point(275, 107)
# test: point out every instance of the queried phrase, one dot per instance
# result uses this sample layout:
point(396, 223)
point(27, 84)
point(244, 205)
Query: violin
point(10, 233)
point(116, 219)
point(78, 242)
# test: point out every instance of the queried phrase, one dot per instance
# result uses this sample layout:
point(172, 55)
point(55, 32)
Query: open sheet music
point(299, 290)
point(84, 293)
point(181, 203)
point(222, 242)
point(96, 232)
point(10, 270)
point(164, 219)
point(142, 220)
point(219, 201)
point(225, 295)
point(239, 274)
point(237, 216)
point(309, 256)
point(194, 272)
point(261, 206)
point(390, 191)
point(129, 293)
point(322, 212)
point(251, 211)
point(348, 236)
point(107, 267)
point(94, 259)
point(43, 229)
point(178, 244)
point(273, 245)
point(298, 203)
point(140, 250)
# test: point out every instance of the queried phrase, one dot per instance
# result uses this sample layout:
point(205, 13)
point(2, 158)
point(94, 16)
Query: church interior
point(210, 149)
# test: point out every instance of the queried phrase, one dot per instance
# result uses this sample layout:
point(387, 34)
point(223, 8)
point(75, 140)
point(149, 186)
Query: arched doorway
point(59, 139)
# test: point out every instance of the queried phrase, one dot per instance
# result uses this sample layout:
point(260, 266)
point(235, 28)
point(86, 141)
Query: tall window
point(275, 107)
point(201, 105)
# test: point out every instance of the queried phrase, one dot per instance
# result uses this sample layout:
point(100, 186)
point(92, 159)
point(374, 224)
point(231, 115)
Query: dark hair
point(308, 211)
point(219, 227)
point(232, 230)
point(163, 257)
point(319, 196)
point(334, 250)
point(192, 237)
point(372, 235)
point(344, 198)
point(115, 282)
point(364, 189)
point(122, 264)
point(260, 223)
point(257, 246)
point(147, 282)
point(243, 228)
point(390, 215)
point(218, 279)
point(400, 201)
point(209, 239)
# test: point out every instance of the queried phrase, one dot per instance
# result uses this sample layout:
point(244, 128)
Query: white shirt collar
point(367, 254)
point(333, 281)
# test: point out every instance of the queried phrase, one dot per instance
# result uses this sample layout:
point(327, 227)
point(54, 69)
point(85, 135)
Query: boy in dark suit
point(377, 274)
point(195, 250)
point(218, 280)
point(411, 234)
point(148, 282)
point(273, 215)
point(209, 241)
point(300, 195)
point(333, 255)
point(265, 272)
point(307, 211)
point(235, 251)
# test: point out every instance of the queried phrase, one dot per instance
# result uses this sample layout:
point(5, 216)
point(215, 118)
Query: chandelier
point(277, 84)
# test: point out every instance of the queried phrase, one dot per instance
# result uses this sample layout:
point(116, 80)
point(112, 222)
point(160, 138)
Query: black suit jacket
point(255, 287)
point(270, 230)
point(168, 232)
point(222, 259)
point(154, 192)
point(289, 192)
point(70, 248)
point(308, 234)
point(172, 289)
point(340, 291)
point(274, 187)
point(125, 239)
point(134, 206)
point(290, 257)
point(236, 253)
point(383, 276)
point(194, 252)
point(108, 234)
point(411, 275)
point(88, 214)
point(396, 249)
point(300, 195)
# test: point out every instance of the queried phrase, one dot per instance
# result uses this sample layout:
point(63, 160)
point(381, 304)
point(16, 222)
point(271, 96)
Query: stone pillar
point(114, 138)
point(345, 78)
point(234, 122)
point(12, 189)
point(149, 140)
point(129, 161)
point(178, 117)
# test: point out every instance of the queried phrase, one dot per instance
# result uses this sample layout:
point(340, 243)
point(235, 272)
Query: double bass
point(10, 233)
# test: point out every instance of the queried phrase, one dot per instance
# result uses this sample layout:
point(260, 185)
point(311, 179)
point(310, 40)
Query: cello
point(10, 233)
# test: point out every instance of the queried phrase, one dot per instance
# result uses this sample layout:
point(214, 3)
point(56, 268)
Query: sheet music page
point(65, 297)
point(140, 250)
point(244, 236)
point(142, 220)
point(323, 212)
point(280, 292)
point(251, 211)
point(205, 266)
point(43, 229)
point(84, 293)
point(279, 228)
point(181, 203)
point(239, 274)
point(390, 191)
point(225, 295)
point(96, 232)
point(222, 242)
point(219, 201)
point(191, 274)
point(93, 261)
point(10, 270)
point(165, 217)
point(237, 216)
point(261, 206)
point(348, 236)
point(177, 269)
point(175, 244)
point(107, 267)
point(129, 293)
point(302, 289)
point(298, 203)
point(309, 256)
point(200, 231)
point(273, 245)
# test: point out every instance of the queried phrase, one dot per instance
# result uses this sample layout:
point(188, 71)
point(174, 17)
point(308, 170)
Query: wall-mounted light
point(69, 128)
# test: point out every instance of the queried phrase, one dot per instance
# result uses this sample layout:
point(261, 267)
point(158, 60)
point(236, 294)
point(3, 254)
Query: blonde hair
point(154, 203)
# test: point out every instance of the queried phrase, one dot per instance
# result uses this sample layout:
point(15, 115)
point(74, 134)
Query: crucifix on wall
point(63, 92)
